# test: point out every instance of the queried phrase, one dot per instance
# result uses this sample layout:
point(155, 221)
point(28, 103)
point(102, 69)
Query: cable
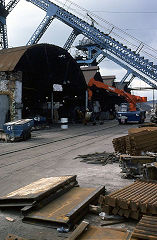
point(127, 12)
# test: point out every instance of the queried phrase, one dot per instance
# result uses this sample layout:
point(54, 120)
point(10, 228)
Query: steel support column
point(70, 40)
point(4, 39)
point(131, 79)
point(125, 77)
point(101, 59)
point(41, 29)
point(10, 6)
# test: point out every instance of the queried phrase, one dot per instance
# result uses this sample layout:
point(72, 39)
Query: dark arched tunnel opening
point(50, 76)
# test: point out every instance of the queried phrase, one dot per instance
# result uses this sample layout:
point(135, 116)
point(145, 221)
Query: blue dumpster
point(39, 120)
point(20, 129)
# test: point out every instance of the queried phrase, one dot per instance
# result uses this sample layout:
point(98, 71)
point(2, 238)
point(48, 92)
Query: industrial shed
point(34, 78)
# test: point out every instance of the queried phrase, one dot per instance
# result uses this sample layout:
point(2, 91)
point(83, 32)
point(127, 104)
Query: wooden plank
point(144, 236)
point(107, 209)
point(101, 233)
point(115, 210)
point(135, 215)
point(79, 230)
point(143, 228)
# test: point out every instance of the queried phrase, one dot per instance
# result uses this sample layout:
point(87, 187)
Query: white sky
point(137, 17)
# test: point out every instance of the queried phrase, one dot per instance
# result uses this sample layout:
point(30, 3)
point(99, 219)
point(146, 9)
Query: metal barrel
point(64, 123)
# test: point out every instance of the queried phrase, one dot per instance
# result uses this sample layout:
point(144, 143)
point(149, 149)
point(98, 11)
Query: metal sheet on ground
point(64, 208)
point(35, 191)
point(100, 233)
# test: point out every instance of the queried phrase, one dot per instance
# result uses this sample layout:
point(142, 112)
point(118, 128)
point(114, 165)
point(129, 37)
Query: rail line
point(58, 140)
point(55, 150)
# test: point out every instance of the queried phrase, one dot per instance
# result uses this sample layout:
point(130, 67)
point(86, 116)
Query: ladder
point(136, 65)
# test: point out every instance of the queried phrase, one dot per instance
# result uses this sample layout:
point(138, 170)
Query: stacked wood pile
point(137, 130)
point(146, 229)
point(132, 201)
point(119, 144)
point(137, 143)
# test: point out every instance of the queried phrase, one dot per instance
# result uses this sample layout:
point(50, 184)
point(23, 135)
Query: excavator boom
point(131, 99)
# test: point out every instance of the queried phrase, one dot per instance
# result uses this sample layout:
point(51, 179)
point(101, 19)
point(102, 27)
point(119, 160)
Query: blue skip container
point(20, 129)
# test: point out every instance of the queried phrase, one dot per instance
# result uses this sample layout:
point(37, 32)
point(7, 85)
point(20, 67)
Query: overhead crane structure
point(105, 45)
point(134, 56)
point(4, 12)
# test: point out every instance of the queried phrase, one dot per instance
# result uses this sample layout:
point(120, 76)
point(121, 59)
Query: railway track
point(55, 141)
point(25, 159)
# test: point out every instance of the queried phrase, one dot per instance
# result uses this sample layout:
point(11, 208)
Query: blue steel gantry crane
point(4, 11)
point(105, 45)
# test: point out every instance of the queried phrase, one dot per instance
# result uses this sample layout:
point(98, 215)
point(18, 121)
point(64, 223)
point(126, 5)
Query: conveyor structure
point(105, 45)
point(4, 11)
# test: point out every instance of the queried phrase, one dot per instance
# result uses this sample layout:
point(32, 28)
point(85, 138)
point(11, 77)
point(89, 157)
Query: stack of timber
point(142, 142)
point(119, 144)
point(146, 229)
point(137, 143)
point(137, 130)
point(132, 201)
point(147, 124)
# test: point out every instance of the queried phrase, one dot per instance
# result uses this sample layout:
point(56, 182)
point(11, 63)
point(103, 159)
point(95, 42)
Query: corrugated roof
point(10, 57)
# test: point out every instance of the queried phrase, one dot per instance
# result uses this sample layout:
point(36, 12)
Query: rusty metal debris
point(146, 229)
point(133, 165)
point(150, 171)
point(99, 158)
point(67, 209)
point(36, 191)
point(132, 201)
point(88, 232)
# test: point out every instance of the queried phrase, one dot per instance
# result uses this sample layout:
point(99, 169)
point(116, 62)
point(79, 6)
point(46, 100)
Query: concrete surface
point(52, 152)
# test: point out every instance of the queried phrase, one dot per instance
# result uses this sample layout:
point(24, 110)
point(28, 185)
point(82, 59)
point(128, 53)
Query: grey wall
point(4, 107)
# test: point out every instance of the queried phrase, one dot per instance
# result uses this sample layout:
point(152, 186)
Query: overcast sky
point(136, 17)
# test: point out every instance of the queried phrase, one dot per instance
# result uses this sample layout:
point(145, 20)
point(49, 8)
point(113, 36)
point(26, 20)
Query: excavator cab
point(123, 107)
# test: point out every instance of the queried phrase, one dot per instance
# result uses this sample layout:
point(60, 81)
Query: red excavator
point(130, 114)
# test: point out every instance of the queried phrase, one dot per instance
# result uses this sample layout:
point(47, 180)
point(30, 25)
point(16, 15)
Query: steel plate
point(67, 207)
point(35, 191)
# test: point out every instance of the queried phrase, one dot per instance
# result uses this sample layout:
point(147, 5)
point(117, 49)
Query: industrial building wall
point(10, 96)
point(4, 109)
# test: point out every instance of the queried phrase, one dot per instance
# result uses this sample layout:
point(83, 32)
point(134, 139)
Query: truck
point(125, 116)
point(129, 111)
